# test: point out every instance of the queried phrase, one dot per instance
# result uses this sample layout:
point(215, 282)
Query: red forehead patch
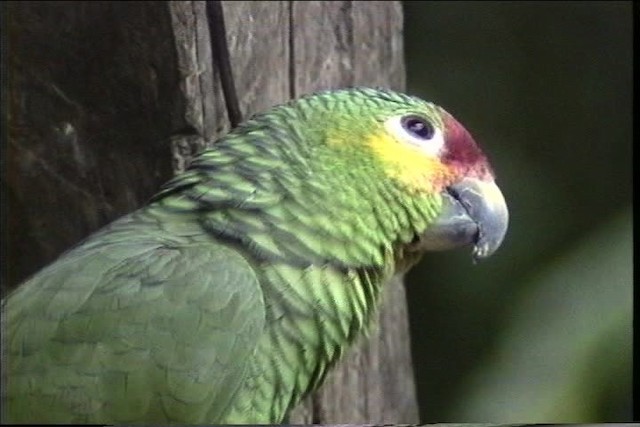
point(461, 150)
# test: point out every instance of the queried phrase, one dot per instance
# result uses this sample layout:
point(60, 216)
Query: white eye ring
point(417, 131)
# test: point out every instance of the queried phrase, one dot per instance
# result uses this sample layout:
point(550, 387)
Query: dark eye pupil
point(418, 127)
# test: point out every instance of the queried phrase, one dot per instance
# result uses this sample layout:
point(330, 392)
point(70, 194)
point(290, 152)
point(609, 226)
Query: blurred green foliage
point(540, 332)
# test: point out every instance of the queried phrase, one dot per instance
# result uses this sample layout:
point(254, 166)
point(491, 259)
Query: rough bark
point(108, 99)
point(92, 102)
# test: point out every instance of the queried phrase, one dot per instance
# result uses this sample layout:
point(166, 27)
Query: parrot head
point(428, 160)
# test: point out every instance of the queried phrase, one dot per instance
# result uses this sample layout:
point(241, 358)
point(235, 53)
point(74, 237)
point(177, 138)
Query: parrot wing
point(131, 331)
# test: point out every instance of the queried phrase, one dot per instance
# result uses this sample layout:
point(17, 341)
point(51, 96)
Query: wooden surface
point(107, 99)
point(92, 100)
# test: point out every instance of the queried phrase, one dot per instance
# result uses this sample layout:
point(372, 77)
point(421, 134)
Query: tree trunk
point(108, 99)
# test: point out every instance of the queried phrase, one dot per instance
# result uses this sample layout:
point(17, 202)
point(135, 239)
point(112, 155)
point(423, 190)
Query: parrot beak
point(474, 212)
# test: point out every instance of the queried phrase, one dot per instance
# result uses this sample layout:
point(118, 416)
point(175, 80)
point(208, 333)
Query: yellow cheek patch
point(417, 170)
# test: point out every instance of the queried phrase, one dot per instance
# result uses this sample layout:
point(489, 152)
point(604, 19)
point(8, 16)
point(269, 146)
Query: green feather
point(230, 295)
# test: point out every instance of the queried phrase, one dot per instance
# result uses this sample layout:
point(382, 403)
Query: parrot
point(229, 296)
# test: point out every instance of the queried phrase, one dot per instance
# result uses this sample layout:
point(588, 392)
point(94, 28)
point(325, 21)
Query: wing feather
point(131, 331)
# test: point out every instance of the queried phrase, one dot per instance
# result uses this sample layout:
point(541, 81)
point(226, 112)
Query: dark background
point(540, 332)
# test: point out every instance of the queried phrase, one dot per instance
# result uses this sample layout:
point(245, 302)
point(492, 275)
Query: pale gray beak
point(473, 212)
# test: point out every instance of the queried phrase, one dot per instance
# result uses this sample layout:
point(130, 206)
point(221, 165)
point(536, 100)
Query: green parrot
point(228, 297)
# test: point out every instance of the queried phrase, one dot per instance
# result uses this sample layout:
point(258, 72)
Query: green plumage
point(228, 297)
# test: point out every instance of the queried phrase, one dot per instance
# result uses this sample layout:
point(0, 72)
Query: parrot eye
point(418, 127)
point(418, 131)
